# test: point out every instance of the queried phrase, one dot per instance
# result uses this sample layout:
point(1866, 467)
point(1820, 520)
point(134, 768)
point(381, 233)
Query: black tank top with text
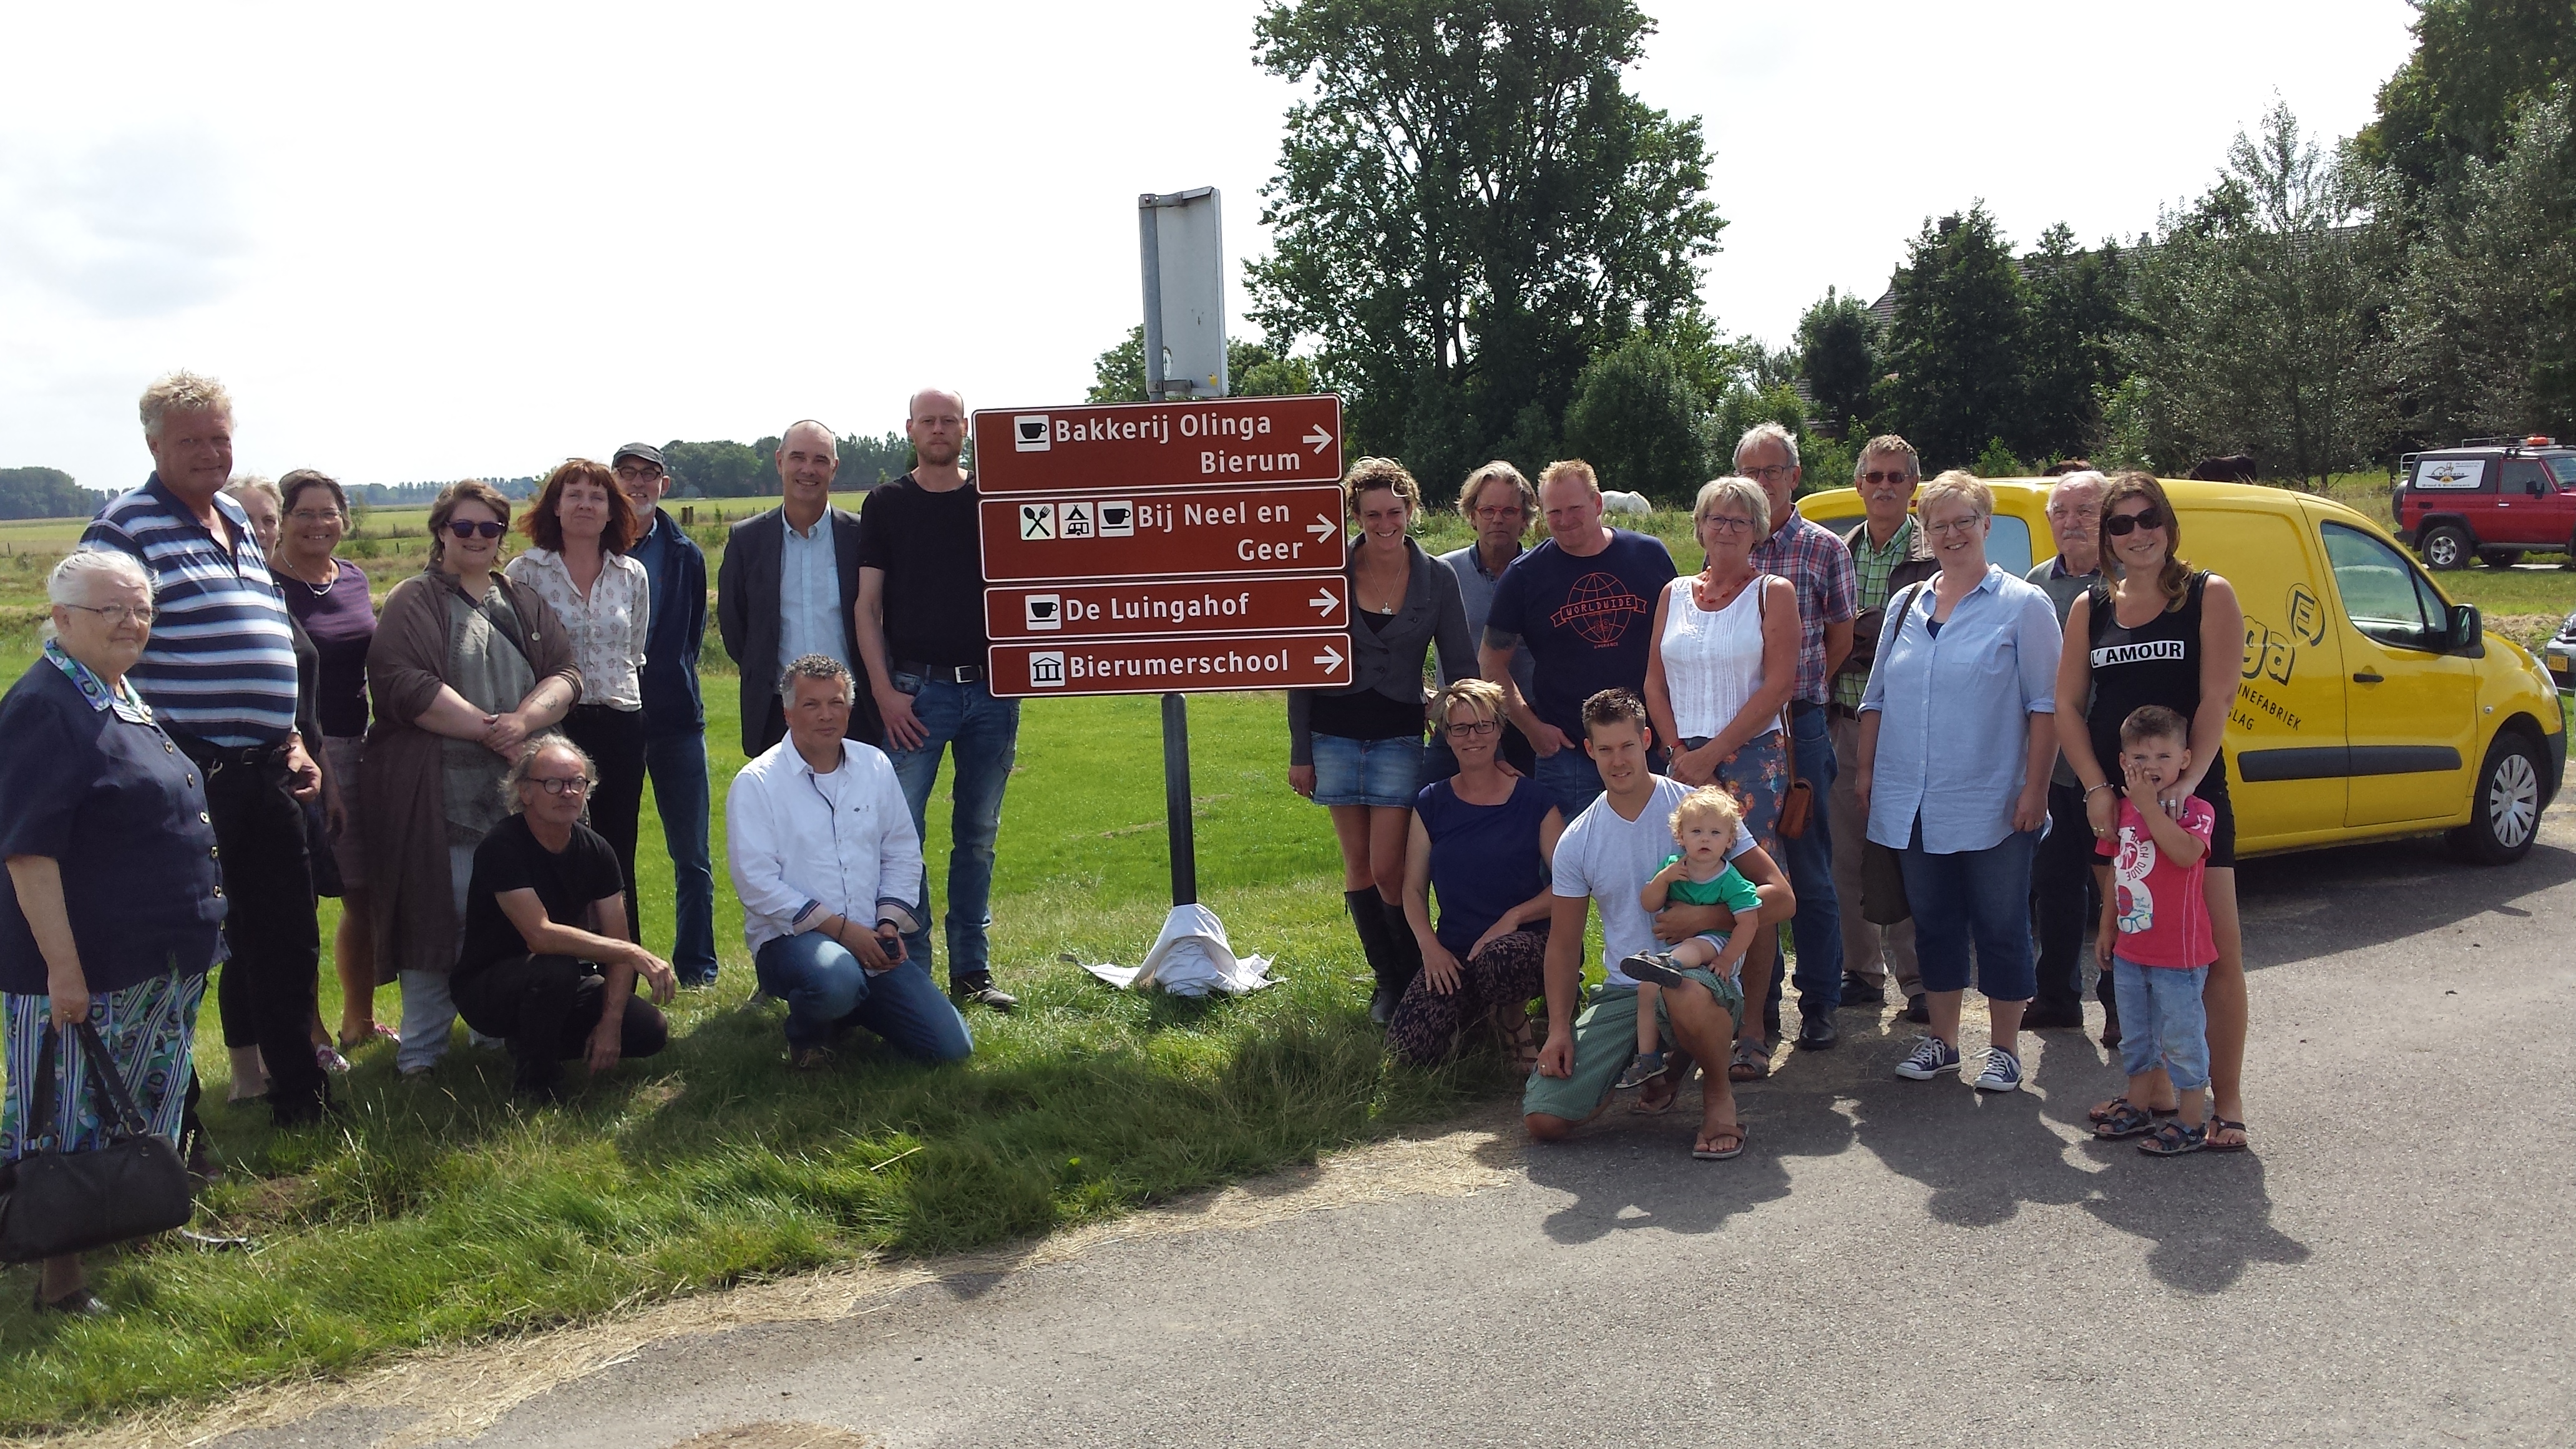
point(2157, 662)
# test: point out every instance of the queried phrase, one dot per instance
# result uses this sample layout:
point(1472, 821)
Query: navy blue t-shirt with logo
point(1587, 620)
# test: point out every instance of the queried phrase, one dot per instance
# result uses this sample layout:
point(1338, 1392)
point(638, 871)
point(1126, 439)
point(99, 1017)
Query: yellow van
point(2370, 704)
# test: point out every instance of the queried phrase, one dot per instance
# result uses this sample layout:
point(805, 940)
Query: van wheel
point(2500, 558)
point(2444, 546)
point(2506, 808)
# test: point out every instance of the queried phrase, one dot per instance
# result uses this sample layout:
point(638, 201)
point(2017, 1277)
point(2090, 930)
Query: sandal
point(2125, 1120)
point(1644, 1067)
point(2104, 1113)
point(1751, 1063)
point(1705, 1153)
point(376, 1033)
point(1520, 1038)
point(2217, 1123)
point(2173, 1139)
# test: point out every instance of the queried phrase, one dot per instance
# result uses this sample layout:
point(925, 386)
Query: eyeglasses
point(1771, 472)
point(1499, 514)
point(561, 784)
point(1875, 479)
point(1474, 729)
point(2121, 525)
point(463, 528)
point(1726, 524)
point(632, 474)
point(1956, 525)
point(310, 515)
point(142, 614)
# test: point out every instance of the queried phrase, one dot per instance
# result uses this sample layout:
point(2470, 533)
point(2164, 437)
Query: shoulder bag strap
point(40, 1122)
point(107, 1085)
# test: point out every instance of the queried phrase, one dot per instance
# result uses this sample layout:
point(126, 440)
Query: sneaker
point(330, 1061)
point(2002, 1073)
point(1932, 1056)
point(1644, 1067)
point(979, 990)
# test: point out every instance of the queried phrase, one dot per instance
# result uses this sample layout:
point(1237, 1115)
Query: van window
point(2565, 468)
point(2008, 546)
point(2382, 594)
point(2525, 475)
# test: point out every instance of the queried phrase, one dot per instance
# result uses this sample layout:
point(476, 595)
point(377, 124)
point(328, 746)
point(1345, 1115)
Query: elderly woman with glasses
point(112, 912)
point(1719, 667)
point(467, 666)
point(1957, 732)
point(549, 963)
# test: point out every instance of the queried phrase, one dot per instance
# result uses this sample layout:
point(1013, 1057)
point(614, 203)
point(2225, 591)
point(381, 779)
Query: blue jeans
point(1979, 896)
point(826, 989)
point(984, 735)
point(2162, 1022)
point(1817, 929)
point(677, 765)
point(1570, 779)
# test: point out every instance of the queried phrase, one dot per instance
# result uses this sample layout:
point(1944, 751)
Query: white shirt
point(607, 630)
point(1609, 857)
point(802, 847)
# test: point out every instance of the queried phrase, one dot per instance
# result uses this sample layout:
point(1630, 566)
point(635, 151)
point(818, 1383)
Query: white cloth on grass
point(1190, 958)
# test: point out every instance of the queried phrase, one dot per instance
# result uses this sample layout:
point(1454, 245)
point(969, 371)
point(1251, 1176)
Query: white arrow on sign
point(1331, 658)
point(1323, 527)
point(1319, 438)
point(1323, 602)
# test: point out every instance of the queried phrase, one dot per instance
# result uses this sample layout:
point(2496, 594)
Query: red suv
point(2492, 498)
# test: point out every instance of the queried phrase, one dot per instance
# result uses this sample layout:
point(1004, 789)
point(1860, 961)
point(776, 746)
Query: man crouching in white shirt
point(822, 851)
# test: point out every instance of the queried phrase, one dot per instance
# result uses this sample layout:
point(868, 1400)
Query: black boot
point(1370, 922)
point(1404, 955)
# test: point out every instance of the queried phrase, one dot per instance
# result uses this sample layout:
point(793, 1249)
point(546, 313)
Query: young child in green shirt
point(1705, 825)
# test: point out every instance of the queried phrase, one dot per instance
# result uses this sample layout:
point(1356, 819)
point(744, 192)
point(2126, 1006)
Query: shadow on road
point(2320, 902)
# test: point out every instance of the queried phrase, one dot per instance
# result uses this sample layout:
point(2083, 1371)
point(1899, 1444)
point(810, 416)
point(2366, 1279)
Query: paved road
point(1890, 1264)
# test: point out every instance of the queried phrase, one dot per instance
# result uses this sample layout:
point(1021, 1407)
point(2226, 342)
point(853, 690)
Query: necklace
point(1404, 570)
point(316, 590)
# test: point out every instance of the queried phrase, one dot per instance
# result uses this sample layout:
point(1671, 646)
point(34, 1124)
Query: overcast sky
point(467, 239)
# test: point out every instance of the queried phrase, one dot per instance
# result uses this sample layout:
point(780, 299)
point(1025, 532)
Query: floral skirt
point(149, 1028)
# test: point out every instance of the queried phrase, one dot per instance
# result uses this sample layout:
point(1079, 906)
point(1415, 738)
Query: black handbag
point(70, 1202)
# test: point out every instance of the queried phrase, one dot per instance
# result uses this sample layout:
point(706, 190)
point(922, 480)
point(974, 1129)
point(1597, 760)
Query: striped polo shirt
point(221, 664)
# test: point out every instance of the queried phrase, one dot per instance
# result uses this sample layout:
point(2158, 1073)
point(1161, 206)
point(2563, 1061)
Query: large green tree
point(2076, 309)
point(2477, 66)
point(1955, 344)
point(1252, 368)
point(1838, 353)
point(2257, 326)
point(45, 493)
point(1468, 208)
point(1636, 419)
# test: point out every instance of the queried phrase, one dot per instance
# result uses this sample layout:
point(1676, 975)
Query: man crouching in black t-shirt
point(545, 963)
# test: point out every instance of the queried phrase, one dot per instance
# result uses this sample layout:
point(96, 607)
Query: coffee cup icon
point(1043, 611)
point(1031, 432)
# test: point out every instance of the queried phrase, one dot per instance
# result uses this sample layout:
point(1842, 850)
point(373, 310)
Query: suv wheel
point(2505, 811)
point(2444, 546)
point(2500, 558)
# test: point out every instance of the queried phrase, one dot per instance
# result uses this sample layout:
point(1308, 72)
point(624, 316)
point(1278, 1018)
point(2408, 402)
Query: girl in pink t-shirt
point(2155, 938)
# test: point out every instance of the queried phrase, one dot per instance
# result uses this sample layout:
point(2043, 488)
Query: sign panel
point(1235, 530)
point(1196, 665)
point(1158, 607)
point(1158, 445)
point(2459, 475)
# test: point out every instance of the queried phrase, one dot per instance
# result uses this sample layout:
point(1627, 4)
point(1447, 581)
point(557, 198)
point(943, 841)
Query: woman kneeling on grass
point(113, 913)
point(547, 964)
point(1485, 840)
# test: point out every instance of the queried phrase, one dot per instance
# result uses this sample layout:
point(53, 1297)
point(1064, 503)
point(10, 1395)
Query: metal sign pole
point(1176, 801)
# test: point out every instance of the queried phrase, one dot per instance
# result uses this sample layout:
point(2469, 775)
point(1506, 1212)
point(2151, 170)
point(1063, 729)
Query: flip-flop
point(1711, 1154)
point(1642, 1108)
point(2218, 1124)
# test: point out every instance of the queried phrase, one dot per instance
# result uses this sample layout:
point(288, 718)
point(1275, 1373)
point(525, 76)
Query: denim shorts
point(1367, 772)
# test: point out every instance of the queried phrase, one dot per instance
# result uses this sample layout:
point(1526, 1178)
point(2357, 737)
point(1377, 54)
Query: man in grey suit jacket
point(788, 587)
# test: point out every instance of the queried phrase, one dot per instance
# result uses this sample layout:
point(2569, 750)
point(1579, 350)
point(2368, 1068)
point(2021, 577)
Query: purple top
point(342, 624)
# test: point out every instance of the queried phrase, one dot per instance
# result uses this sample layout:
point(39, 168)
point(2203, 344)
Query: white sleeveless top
point(1712, 662)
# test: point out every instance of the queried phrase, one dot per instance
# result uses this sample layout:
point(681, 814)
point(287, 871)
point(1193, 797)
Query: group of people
point(224, 725)
point(1804, 726)
point(1879, 739)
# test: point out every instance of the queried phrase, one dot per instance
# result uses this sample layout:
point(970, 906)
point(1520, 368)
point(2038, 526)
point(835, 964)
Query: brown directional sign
point(1164, 608)
point(1237, 530)
point(1193, 665)
point(1158, 445)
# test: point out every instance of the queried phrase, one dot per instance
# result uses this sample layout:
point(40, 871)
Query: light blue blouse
point(1953, 713)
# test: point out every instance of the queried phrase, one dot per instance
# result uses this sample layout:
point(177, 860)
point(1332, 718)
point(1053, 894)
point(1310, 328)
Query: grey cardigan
point(1389, 660)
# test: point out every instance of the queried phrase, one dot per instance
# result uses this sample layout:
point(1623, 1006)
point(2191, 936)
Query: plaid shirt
point(1810, 557)
point(1874, 566)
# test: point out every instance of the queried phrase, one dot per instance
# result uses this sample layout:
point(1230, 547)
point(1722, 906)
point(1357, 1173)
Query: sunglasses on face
point(1877, 479)
point(2121, 525)
point(464, 528)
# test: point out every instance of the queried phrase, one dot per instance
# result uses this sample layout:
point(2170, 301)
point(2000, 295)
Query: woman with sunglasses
point(2163, 633)
point(1720, 663)
point(466, 667)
